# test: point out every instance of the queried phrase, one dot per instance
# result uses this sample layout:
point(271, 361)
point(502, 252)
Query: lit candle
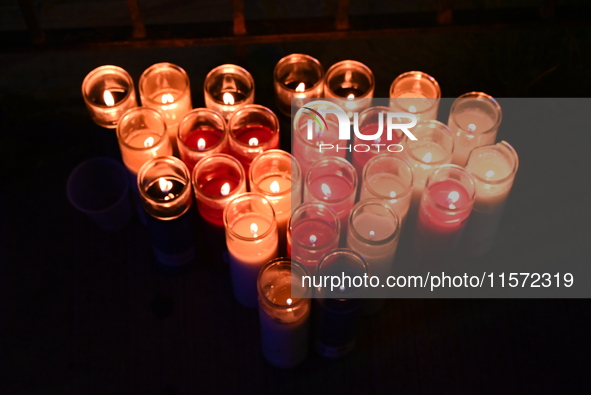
point(370, 121)
point(202, 132)
point(445, 206)
point(333, 181)
point(165, 88)
point(251, 238)
point(474, 120)
point(416, 92)
point(165, 188)
point(253, 129)
point(313, 231)
point(493, 168)
point(284, 310)
point(434, 147)
point(276, 175)
point(108, 92)
point(298, 77)
point(352, 83)
point(228, 88)
point(338, 310)
point(390, 178)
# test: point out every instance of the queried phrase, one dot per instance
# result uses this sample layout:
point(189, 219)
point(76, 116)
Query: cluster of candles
point(324, 211)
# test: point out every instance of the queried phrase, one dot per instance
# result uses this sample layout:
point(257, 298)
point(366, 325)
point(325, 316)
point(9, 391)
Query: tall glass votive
point(297, 76)
point(474, 120)
point(372, 120)
point(165, 87)
point(251, 238)
point(253, 129)
point(108, 92)
point(202, 132)
point(333, 181)
point(165, 187)
point(228, 88)
point(284, 312)
point(493, 168)
point(417, 93)
point(339, 309)
point(446, 204)
point(276, 175)
point(313, 231)
point(352, 83)
point(434, 147)
point(390, 178)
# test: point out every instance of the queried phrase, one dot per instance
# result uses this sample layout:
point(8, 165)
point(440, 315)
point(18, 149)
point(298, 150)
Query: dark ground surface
point(84, 311)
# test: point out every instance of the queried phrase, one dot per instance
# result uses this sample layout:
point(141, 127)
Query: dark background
point(85, 311)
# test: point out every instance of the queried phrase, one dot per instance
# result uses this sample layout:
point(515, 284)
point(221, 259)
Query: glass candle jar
point(298, 77)
point(165, 87)
point(284, 311)
point(493, 168)
point(251, 238)
point(228, 88)
point(313, 231)
point(352, 83)
point(474, 120)
point(390, 178)
point(202, 132)
point(339, 309)
point(253, 129)
point(108, 92)
point(417, 93)
point(445, 206)
point(165, 188)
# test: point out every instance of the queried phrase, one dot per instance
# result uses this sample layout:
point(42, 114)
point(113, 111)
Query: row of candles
point(452, 179)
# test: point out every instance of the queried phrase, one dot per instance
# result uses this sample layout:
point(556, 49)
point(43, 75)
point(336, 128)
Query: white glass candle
point(416, 92)
point(351, 83)
point(251, 238)
point(284, 311)
point(474, 120)
point(493, 168)
point(165, 87)
point(298, 77)
point(228, 88)
point(388, 177)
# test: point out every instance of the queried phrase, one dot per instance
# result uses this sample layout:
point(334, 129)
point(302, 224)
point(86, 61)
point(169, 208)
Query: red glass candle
point(445, 206)
point(202, 132)
point(217, 179)
point(253, 130)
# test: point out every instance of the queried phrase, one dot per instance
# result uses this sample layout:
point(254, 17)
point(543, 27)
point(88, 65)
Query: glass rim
point(285, 155)
point(500, 145)
point(238, 70)
point(480, 96)
point(175, 163)
point(248, 196)
point(445, 130)
point(358, 65)
point(323, 207)
point(336, 159)
point(161, 135)
point(164, 65)
point(214, 113)
point(471, 191)
point(93, 73)
point(291, 263)
point(228, 159)
point(381, 157)
point(422, 75)
point(342, 251)
point(289, 60)
point(254, 107)
point(374, 202)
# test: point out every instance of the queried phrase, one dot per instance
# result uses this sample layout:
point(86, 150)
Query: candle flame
point(253, 141)
point(108, 98)
point(489, 174)
point(392, 194)
point(164, 184)
point(428, 157)
point(149, 142)
point(289, 301)
point(228, 98)
point(201, 144)
point(351, 96)
point(471, 127)
point(167, 98)
point(254, 229)
point(225, 189)
point(412, 109)
point(301, 87)
point(326, 190)
point(372, 234)
point(275, 187)
point(313, 239)
point(452, 198)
